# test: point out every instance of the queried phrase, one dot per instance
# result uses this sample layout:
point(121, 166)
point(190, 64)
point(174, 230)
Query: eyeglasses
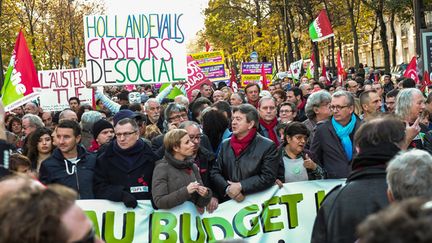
point(285, 111)
point(337, 107)
point(88, 238)
point(195, 137)
point(125, 134)
point(184, 116)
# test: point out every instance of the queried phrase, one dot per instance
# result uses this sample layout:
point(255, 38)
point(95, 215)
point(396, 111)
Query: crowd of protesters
point(221, 144)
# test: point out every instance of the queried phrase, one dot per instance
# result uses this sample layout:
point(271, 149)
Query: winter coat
point(113, 176)
point(170, 179)
point(329, 152)
point(347, 206)
point(255, 168)
point(57, 169)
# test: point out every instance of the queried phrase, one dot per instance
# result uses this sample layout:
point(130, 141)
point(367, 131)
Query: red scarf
point(94, 146)
point(239, 145)
point(270, 129)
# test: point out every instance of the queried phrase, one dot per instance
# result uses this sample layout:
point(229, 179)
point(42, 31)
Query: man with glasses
point(333, 141)
point(124, 171)
point(202, 157)
point(174, 115)
point(352, 87)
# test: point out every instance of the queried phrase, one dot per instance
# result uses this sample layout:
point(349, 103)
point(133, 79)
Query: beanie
point(99, 126)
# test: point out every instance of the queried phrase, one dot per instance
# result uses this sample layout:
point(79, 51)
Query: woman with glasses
point(287, 112)
point(176, 179)
point(296, 163)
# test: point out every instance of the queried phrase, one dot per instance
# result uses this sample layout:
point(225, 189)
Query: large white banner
point(276, 214)
point(57, 86)
point(135, 48)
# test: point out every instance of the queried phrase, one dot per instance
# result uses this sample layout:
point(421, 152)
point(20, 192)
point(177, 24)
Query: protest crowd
point(223, 144)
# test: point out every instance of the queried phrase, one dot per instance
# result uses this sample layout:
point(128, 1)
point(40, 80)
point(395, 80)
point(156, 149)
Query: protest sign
point(215, 71)
point(275, 214)
point(57, 86)
point(209, 58)
point(135, 49)
point(251, 72)
point(255, 67)
point(212, 64)
point(195, 77)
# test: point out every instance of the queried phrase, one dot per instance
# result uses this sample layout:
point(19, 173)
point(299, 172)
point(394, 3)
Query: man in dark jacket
point(364, 193)
point(124, 171)
point(333, 144)
point(70, 164)
point(202, 157)
point(247, 162)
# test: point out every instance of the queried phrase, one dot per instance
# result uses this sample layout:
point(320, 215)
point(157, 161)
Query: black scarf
point(186, 164)
point(130, 155)
point(375, 156)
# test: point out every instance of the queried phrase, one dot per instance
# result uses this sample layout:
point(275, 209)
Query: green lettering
point(128, 227)
point(92, 216)
point(120, 72)
point(319, 197)
point(267, 214)
point(167, 229)
point(185, 229)
point(127, 70)
point(291, 201)
point(163, 69)
point(238, 225)
point(141, 70)
point(221, 223)
point(153, 68)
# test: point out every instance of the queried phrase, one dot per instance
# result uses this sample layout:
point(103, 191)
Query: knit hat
point(123, 114)
point(99, 126)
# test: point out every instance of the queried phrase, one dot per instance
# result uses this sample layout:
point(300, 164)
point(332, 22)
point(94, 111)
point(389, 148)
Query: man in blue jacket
point(70, 164)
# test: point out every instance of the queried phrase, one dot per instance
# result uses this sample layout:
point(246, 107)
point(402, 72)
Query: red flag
point(340, 69)
point(21, 79)
point(324, 72)
point(263, 78)
point(411, 71)
point(426, 78)
point(207, 46)
point(233, 80)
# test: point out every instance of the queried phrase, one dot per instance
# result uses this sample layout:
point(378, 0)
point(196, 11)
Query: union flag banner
point(21, 80)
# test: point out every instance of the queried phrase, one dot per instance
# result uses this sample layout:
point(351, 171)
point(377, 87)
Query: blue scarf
point(343, 132)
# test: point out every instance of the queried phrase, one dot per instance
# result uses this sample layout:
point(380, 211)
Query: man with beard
point(370, 103)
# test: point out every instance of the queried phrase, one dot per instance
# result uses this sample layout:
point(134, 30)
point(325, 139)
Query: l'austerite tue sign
point(57, 86)
point(135, 49)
